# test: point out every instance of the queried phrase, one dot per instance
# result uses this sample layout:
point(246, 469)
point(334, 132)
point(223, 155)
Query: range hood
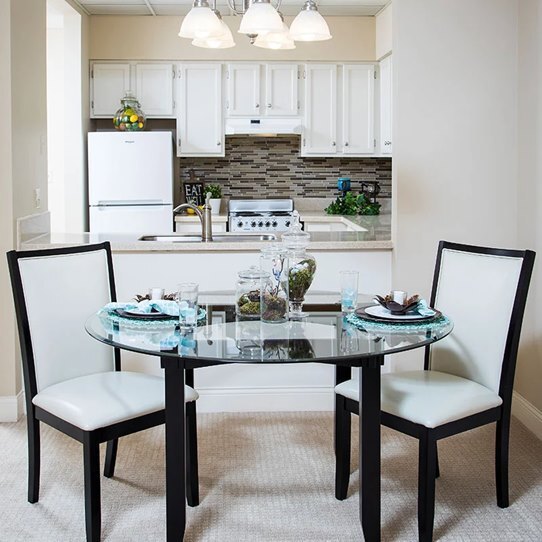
point(264, 126)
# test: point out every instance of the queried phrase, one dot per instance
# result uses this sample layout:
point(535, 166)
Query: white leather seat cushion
point(102, 399)
point(429, 398)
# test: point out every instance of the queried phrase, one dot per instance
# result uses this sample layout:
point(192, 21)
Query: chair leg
point(33, 457)
point(501, 460)
point(91, 457)
point(426, 486)
point(437, 470)
point(192, 478)
point(111, 458)
point(342, 447)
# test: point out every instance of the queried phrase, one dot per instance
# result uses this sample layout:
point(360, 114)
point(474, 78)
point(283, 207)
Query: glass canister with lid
point(130, 117)
point(302, 266)
point(248, 292)
point(274, 294)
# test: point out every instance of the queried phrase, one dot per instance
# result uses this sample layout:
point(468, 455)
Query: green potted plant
point(216, 197)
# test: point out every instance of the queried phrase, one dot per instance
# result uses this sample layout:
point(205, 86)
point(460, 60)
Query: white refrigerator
point(130, 176)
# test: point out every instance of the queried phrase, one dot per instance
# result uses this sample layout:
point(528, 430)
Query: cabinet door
point(320, 135)
point(281, 98)
point(243, 90)
point(358, 109)
point(109, 82)
point(386, 71)
point(154, 89)
point(200, 129)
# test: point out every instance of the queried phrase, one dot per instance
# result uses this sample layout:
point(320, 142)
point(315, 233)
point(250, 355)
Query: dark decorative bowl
point(396, 308)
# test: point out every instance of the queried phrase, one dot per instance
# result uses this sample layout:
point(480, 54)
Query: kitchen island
point(140, 265)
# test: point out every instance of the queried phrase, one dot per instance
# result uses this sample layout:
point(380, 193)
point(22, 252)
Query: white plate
point(380, 312)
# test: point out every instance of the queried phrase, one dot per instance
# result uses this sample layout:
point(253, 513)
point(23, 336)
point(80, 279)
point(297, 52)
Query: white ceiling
point(181, 7)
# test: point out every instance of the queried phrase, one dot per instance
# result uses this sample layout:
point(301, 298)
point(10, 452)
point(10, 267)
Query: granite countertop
point(376, 237)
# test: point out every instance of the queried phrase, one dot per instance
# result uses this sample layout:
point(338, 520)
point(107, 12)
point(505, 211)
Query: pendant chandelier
point(261, 22)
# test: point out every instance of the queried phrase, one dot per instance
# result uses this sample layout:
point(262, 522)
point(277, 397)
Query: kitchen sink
point(224, 238)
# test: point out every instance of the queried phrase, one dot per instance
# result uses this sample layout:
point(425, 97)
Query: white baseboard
point(527, 414)
point(11, 407)
point(266, 399)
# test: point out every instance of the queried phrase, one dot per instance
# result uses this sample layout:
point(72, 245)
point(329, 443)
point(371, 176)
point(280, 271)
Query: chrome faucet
point(205, 217)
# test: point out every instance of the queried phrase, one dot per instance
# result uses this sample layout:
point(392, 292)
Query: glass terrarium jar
point(130, 117)
point(302, 266)
point(248, 292)
point(274, 294)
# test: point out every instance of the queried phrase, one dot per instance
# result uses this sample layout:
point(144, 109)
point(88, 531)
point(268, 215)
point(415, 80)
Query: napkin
point(422, 308)
point(146, 306)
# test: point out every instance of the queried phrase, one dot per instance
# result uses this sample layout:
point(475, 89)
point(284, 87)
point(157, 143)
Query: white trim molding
point(11, 407)
point(527, 414)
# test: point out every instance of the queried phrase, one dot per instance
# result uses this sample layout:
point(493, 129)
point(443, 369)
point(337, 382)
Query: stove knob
point(274, 224)
point(287, 223)
point(253, 224)
point(240, 224)
point(267, 224)
point(260, 224)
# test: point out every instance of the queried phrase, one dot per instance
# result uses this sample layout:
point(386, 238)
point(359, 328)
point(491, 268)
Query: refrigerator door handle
point(130, 203)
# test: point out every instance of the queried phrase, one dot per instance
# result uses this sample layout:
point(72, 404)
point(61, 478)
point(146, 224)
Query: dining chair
point(468, 377)
point(75, 383)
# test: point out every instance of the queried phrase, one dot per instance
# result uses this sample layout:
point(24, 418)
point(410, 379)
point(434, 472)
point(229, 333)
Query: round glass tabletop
point(252, 341)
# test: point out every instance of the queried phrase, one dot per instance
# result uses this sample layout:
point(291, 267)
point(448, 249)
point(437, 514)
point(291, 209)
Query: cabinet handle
point(346, 144)
point(179, 143)
point(387, 142)
point(333, 144)
point(257, 106)
point(218, 144)
point(269, 106)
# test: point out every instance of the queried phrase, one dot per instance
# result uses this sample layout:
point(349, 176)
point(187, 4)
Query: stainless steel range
point(260, 214)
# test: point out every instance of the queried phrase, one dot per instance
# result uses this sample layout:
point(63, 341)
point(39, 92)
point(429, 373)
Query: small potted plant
point(216, 197)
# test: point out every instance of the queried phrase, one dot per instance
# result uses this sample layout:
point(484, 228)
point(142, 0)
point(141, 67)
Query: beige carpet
point(269, 477)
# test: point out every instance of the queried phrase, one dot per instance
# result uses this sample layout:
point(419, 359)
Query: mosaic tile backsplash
point(263, 167)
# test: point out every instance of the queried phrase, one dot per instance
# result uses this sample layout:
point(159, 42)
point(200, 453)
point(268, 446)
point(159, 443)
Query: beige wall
point(155, 38)
point(383, 30)
point(8, 375)
point(29, 105)
point(529, 370)
point(455, 130)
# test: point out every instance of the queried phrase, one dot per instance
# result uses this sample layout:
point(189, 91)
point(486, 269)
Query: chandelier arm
point(245, 4)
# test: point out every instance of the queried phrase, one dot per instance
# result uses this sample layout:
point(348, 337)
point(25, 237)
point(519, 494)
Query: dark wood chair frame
point(428, 467)
point(90, 439)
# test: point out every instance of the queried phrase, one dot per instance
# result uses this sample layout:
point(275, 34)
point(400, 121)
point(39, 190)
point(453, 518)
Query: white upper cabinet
point(108, 84)
point(200, 130)
point(281, 96)
point(154, 89)
point(320, 134)
point(243, 90)
point(386, 71)
point(358, 109)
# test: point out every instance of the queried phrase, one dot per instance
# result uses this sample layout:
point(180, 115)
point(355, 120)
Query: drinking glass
point(187, 299)
point(349, 291)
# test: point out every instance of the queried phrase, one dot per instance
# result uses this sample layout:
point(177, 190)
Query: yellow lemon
point(134, 118)
point(190, 212)
point(140, 125)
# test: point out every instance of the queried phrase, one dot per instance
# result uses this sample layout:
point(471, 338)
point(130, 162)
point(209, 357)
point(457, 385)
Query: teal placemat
point(400, 327)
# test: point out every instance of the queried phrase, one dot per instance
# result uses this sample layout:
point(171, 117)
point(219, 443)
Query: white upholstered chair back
point(60, 293)
point(477, 292)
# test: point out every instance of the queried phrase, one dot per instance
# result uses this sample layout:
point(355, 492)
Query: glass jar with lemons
point(130, 117)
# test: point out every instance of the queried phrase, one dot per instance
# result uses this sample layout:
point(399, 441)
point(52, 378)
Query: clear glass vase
point(130, 117)
point(274, 292)
point(302, 266)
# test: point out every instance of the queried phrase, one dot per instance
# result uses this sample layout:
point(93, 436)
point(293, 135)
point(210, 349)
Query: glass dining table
point(325, 336)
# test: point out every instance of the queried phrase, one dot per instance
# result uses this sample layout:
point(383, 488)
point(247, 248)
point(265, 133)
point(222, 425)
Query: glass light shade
point(200, 23)
point(260, 18)
point(309, 25)
point(224, 41)
point(276, 40)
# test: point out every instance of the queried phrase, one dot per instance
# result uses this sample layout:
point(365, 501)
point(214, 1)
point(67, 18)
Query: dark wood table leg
point(369, 451)
point(175, 450)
